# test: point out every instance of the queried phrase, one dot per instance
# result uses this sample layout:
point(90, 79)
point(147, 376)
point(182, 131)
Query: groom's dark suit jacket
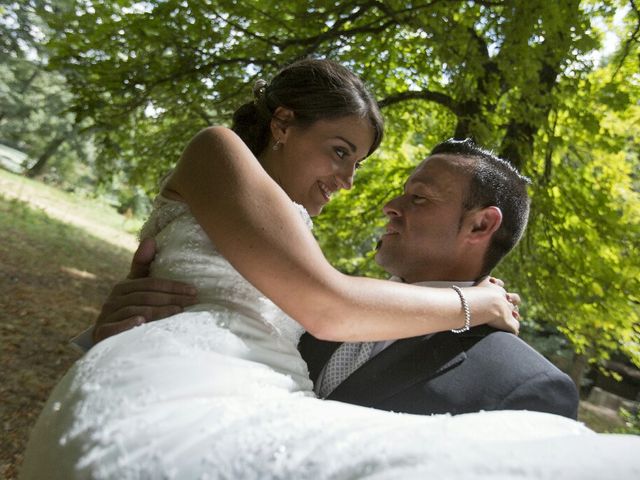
point(482, 369)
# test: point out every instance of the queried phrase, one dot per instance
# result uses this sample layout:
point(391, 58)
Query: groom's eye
point(418, 200)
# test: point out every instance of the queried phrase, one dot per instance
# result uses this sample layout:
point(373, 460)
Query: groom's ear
point(482, 223)
point(281, 120)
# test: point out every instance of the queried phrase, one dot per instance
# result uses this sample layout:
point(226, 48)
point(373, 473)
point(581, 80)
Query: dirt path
point(56, 206)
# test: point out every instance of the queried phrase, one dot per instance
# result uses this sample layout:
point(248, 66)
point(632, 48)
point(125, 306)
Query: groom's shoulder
point(531, 380)
point(487, 344)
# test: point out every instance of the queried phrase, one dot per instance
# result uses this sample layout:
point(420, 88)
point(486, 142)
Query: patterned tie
point(344, 361)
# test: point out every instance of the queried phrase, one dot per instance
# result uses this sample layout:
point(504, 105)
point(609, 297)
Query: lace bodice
point(185, 253)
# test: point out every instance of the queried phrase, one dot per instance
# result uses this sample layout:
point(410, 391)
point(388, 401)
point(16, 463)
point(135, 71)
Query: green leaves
point(585, 226)
point(518, 76)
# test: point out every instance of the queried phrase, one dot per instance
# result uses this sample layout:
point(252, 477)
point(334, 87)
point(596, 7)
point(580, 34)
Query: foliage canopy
point(519, 76)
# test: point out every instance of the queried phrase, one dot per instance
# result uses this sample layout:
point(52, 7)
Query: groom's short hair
point(493, 181)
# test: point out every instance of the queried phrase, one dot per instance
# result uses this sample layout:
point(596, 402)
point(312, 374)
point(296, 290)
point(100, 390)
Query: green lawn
point(53, 278)
point(90, 214)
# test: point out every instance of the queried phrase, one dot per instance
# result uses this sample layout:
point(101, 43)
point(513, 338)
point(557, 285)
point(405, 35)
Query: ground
point(53, 279)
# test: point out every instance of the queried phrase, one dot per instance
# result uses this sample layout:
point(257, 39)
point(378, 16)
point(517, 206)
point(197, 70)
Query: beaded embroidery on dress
point(220, 392)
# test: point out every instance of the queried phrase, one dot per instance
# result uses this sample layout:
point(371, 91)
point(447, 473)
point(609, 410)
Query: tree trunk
point(517, 144)
point(467, 112)
point(52, 147)
point(578, 369)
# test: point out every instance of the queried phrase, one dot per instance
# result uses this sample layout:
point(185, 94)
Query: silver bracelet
point(467, 311)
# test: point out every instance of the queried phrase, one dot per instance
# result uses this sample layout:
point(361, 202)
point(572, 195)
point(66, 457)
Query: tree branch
point(390, 17)
point(127, 105)
point(635, 37)
point(246, 31)
point(437, 97)
point(336, 29)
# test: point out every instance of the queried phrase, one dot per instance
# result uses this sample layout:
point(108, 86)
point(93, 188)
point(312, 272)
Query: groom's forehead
point(441, 168)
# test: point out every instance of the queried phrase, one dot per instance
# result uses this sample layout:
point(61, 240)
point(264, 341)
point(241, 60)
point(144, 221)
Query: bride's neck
point(271, 165)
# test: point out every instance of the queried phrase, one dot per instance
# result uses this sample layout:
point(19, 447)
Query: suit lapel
point(316, 353)
point(398, 367)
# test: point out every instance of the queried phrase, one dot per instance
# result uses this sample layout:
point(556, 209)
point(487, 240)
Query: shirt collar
point(443, 284)
point(437, 283)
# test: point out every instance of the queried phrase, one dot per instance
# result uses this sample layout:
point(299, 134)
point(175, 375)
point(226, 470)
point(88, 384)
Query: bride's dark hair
point(312, 89)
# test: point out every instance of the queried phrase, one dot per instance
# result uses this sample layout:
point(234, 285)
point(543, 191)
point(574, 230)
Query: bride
point(220, 391)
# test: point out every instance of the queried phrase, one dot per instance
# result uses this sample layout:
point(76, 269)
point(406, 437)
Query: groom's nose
point(392, 208)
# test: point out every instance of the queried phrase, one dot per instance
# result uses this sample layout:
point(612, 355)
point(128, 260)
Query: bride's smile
point(313, 162)
point(326, 191)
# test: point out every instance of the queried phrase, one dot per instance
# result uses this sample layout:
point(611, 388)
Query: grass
point(90, 214)
point(53, 277)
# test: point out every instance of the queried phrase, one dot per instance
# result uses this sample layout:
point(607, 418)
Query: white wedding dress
point(221, 392)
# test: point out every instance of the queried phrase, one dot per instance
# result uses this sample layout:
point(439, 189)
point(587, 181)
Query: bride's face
point(314, 162)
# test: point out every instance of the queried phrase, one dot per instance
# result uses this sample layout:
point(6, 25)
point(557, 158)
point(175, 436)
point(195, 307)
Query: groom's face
point(423, 240)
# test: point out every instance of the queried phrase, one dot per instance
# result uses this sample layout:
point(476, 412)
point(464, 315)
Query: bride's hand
point(512, 297)
point(495, 306)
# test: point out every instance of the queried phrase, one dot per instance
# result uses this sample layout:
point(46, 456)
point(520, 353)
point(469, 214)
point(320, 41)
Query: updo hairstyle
point(313, 90)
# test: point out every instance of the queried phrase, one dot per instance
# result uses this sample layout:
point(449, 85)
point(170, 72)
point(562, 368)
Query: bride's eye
point(340, 152)
point(358, 165)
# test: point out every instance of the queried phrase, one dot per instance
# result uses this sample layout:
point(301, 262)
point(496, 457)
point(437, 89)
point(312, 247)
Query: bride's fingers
point(516, 325)
point(491, 282)
point(514, 321)
point(514, 298)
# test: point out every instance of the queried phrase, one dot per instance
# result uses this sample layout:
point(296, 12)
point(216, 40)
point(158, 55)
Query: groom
point(462, 210)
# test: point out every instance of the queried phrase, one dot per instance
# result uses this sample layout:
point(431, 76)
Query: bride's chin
point(314, 211)
point(313, 207)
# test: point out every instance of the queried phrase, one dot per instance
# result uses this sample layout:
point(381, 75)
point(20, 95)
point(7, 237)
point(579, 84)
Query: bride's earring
point(277, 145)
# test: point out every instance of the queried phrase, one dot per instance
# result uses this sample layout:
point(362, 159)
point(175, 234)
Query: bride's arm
point(254, 225)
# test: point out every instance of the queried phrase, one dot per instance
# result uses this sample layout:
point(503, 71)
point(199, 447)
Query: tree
point(491, 65)
point(585, 225)
point(34, 114)
point(516, 75)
